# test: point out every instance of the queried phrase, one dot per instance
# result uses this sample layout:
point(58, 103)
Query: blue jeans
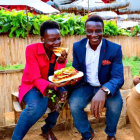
point(36, 106)
point(81, 97)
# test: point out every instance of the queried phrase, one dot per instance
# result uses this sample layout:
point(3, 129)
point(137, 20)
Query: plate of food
point(65, 74)
point(59, 50)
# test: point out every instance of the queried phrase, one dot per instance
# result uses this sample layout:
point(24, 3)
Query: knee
point(115, 107)
point(75, 106)
point(31, 109)
point(37, 109)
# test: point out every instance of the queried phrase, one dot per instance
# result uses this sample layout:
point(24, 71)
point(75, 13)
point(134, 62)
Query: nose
point(93, 34)
point(57, 43)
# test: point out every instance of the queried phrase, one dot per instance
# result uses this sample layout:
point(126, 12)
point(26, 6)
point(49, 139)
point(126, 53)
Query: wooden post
point(27, 25)
point(88, 7)
point(128, 80)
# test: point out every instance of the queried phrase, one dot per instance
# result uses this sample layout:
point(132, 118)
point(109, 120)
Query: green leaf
point(13, 29)
point(6, 27)
point(19, 32)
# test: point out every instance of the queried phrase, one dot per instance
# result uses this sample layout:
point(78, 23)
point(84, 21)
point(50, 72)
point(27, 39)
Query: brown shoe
point(49, 136)
point(92, 136)
point(111, 138)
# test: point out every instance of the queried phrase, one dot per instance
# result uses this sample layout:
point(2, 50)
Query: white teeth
point(95, 39)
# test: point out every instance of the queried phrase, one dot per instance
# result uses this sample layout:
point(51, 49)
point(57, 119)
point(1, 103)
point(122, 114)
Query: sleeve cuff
point(106, 90)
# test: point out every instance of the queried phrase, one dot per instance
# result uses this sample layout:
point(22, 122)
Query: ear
point(42, 39)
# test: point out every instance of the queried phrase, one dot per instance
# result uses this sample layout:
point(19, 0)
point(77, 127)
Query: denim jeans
point(81, 97)
point(36, 106)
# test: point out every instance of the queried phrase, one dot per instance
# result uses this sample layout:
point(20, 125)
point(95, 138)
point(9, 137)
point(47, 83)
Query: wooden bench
point(19, 107)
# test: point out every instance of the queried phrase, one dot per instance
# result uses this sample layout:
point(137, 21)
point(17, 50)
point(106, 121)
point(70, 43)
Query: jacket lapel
point(102, 54)
point(83, 49)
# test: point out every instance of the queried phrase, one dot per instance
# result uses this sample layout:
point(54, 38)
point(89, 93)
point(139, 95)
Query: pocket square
point(106, 62)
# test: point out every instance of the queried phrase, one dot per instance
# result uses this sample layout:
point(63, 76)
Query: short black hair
point(48, 25)
point(95, 18)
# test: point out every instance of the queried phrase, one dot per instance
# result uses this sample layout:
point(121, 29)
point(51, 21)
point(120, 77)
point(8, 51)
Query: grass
point(13, 67)
point(134, 62)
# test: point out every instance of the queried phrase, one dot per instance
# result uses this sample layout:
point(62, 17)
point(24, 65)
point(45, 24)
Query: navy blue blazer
point(110, 76)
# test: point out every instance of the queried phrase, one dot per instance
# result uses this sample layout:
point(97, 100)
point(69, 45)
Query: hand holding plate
point(63, 84)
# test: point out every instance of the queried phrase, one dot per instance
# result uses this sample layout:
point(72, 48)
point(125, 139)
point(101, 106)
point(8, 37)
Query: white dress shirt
point(138, 88)
point(92, 62)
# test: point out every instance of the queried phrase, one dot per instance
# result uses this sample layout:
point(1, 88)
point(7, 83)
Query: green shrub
point(134, 62)
point(15, 24)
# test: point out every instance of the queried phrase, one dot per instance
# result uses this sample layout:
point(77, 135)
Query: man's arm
point(117, 77)
point(33, 71)
point(114, 84)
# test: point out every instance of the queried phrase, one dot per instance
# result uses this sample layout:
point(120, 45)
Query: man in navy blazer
point(101, 62)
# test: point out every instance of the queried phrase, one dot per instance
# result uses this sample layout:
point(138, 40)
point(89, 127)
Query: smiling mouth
point(95, 39)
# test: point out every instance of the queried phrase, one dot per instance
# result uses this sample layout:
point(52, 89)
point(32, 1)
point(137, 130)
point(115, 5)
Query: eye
point(89, 32)
point(53, 40)
point(59, 38)
point(98, 31)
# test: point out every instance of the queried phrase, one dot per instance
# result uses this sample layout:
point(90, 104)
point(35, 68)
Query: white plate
point(79, 74)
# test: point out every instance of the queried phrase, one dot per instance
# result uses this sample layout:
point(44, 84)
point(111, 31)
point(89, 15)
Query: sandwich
point(59, 50)
point(64, 74)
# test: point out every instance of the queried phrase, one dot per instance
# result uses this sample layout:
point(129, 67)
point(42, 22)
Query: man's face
point(94, 32)
point(51, 39)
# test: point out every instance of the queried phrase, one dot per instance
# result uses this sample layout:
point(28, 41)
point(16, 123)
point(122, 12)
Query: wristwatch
point(106, 90)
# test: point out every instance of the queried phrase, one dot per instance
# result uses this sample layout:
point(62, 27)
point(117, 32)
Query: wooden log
point(11, 71)
point(6, 131)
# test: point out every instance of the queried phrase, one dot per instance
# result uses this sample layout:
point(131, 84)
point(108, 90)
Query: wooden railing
point(13, 49)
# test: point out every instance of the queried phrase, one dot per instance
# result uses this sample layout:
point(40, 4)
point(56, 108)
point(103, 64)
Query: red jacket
point(36, 70)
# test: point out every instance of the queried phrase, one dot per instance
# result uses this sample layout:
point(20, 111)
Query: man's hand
point(97, 103)
point(52, 85)
point(62, 84)
point(61, 59)
point(136, 80)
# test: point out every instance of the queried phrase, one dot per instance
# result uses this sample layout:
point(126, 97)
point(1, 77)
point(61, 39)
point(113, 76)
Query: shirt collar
point(88, 45)
point(41, 49)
